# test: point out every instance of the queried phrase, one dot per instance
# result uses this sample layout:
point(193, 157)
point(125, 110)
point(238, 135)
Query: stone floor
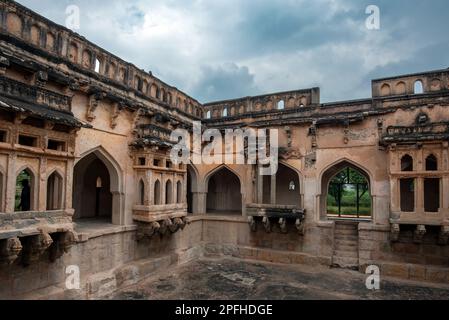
point(236, 279)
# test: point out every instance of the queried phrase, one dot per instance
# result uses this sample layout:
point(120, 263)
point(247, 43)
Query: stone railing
point(265, 103)
point(23, 27)
point(420, 83)
point(21, 91)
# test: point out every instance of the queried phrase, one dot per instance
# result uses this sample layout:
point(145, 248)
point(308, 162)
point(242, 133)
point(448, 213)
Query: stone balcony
point(26, 236)
point(280, 214)
point(159, 219)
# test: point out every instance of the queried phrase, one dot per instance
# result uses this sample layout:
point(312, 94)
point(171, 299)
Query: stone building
point(86, 178)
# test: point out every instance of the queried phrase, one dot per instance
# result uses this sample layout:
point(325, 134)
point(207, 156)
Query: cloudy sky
point(220, 49)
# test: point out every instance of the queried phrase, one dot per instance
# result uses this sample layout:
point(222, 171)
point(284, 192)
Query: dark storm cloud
point(229, 48)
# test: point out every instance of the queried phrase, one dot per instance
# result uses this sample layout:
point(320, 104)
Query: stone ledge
point(267, 255)
point(411, 271)
point(84, 236)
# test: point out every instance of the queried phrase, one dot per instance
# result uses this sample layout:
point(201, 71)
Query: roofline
point(261, 96)
point(412, 74)
point(75, 34)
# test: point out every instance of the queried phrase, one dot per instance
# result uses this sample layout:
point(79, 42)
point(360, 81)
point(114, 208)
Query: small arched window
point(225, 112)
point(54, 192)
point(157, 193)
point(97, 65)
point(431, 163)
point(179, 192)
point(168, 192)
point(419, 89)
point(407, 163)
point(99, 183)
point(141, 193)
point(24, 191)
point(281, 105)
point(208, 115)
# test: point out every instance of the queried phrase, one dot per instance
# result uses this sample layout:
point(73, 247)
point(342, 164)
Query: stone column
point(199, 202)
point(10, 194)
point(41, 185)
point(259, 186)
point(68, 203)
point(273, 189)
point(395, 195)
point(419, 195)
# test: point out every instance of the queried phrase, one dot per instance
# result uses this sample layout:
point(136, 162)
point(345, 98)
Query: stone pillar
point(273, 189)
point(41, 185)
point(419, 195)
point(259, 186)
point(68, 204)
point(395, 195)
point(10, 194)
point(199, 205)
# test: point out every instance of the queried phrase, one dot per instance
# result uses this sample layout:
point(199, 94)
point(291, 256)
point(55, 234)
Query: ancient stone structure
point(86, 178)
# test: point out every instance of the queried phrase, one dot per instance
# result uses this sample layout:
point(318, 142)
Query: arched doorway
point(192, 189)
point(282, 189)
point(346, 192)
point(25, 189)
point(55, 191)
point(97, 189)
point(224, 193)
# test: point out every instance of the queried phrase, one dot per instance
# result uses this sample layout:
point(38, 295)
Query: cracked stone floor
point(224, 279)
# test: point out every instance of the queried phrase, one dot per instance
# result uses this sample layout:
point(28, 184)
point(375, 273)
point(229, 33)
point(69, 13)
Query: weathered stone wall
point(106, 262)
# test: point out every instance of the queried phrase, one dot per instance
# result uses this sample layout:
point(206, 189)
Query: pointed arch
point(168, 192)
point(141, 192)
point(157, 193)
point(109, 199)
point(55, 190)
point(192, 189)
point(222, 185)
point(26, 189)
point(179, 192)
point(327, 181)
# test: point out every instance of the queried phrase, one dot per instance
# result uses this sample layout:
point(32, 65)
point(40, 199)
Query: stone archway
point(97, 188)
point(346, 177)
point(224, 195)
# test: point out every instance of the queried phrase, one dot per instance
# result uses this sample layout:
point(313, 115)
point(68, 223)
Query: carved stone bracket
point(283, 225)
point(163, 227)
point(394, 233)
point(300, 226)
point(35, 247)
point(147, 230)
point(4, 64)
point(267, 224)
point(62, 244)
point(252, 224)
point(117, 109)
point(10, 250)
point(444, 235)
point(40, 78)
point(419, 233)
point(94, 100)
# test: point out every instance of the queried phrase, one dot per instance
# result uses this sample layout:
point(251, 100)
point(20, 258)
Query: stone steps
point(346, 246)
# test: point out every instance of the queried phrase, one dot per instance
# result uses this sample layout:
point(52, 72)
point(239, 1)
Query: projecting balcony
point(159, 219)
point(269, 215)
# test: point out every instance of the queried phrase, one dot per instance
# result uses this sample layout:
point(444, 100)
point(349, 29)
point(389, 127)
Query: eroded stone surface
point(235, 279)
